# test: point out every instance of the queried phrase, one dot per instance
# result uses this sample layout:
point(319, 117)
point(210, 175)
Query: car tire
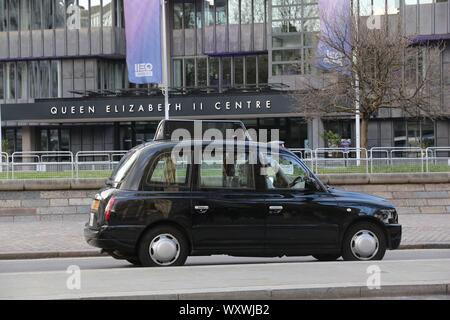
point(327, 257)
point(163, 246)
point(364, 241)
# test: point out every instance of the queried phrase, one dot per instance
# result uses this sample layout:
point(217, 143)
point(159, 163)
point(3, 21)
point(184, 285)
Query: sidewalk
point(328, 280)
point(64, 237)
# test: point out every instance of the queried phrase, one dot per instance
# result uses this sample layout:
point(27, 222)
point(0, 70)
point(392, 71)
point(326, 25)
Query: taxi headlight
point(387, 215)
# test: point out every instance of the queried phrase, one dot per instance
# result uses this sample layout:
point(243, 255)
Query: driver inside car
point(283, 176)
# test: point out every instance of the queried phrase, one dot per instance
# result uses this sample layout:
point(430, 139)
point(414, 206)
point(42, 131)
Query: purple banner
point(143, 39)
point(335, 31)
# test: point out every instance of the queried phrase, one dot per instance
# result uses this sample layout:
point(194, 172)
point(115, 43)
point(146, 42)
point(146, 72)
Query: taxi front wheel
point(364, 241)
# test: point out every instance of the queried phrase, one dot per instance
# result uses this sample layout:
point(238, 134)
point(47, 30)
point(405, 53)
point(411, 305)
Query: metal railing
point(340, 160)
point(99, 164)
point(306, 154)
point(4, 165)
point(96, 163)
point(45, 164)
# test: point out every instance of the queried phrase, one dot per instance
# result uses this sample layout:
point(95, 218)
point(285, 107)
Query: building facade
point(64, 86)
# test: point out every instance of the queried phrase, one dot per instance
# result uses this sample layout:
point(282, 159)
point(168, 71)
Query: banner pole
point(166, 62)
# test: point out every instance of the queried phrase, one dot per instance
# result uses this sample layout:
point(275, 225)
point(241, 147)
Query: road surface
point(404, 274)
point(13, 266)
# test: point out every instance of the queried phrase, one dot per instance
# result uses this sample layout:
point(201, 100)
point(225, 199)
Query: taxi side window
point(167, 174)
point(225, 173)
point(283, 172)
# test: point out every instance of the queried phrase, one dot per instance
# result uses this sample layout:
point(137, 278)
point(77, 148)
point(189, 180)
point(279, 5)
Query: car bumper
point(394, 233)
point(121, 239)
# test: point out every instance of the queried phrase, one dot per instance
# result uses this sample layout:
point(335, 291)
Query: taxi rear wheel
point(163, 246)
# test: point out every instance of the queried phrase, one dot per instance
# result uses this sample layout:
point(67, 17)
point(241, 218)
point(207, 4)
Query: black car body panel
point(238, 222)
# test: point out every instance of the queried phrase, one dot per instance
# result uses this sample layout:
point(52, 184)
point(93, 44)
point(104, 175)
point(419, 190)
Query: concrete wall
point(47, 200)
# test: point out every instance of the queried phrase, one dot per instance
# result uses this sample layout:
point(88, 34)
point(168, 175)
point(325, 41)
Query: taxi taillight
point(109, 208)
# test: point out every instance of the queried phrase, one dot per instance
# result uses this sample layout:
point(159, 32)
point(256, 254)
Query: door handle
point(275, 209)
point(201, 209)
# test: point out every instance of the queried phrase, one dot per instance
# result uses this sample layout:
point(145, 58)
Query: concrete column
point(28, 139)
point(315, 129)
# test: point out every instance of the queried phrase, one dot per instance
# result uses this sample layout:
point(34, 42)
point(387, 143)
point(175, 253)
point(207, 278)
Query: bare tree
point(389, 70)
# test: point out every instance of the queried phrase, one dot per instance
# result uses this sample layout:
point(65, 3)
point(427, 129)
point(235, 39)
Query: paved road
point(416, 277)
point(22, 266)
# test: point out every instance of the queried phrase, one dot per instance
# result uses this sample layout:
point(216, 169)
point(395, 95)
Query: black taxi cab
point(157, 209)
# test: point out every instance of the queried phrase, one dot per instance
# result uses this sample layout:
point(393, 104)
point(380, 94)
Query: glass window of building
point(120, 19)
point(45, 78)
point(33, 69)
point(250, 70)
point(209, 13)
point(393, 6)
point(11, 83)
point(263, 69)
point(414, 133)
point(189, 14)
point(226, 72)
point(259, 11)
point(295, 24)
point(43, 140)
point(286, 55)
point(177, 73)
point(365, 8)
point(2, 89)
point(59, 14)
point(13, 138)
point(221, 11)
point(55, 79)
point(25, 15)
point(190, 72)
point(233, 11)
point(238, 70)
point(48, 14)
point(202, 72)
point(178, 14)
point(22, 80)
point(96, 14)
point(83, 6)
point(64, 144)
point(199, 10)
point(286, 41)
point(36, 15)
point(246, 11)
point(53, 140)
point(3, 16)
point(213, 72)
point(13, 15)
point(107, 14)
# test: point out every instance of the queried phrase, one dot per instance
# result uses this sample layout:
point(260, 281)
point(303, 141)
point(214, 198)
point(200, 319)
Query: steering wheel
point(296, 180)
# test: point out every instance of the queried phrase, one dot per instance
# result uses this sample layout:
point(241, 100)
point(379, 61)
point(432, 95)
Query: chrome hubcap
point(364, 245)
point(164, 249)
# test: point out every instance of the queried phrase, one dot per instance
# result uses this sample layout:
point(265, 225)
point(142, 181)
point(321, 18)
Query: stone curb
point(338, 292)
point(51, 184)
point(50, 255)
point(97, 253)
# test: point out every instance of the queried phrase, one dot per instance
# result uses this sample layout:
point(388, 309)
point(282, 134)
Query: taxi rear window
point(124, 166)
